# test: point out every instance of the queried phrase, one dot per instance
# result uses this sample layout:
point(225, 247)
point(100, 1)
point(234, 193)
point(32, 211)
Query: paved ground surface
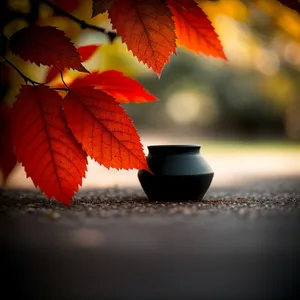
point(238, 243)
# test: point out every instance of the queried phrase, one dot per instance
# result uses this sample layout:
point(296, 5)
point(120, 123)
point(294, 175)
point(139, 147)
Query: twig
point(61, 89)
point(62, 77)
point(84, 25)
point(26, 79)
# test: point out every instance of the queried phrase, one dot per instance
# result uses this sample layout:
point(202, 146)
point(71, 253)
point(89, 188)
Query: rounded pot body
point(180, 173)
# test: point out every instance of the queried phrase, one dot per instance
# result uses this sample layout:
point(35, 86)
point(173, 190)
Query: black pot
point(180, 173)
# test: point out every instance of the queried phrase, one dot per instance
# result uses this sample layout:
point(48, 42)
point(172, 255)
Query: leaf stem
point(61, 89)
point(62, 77)
point(26, 79)
point(84, 25)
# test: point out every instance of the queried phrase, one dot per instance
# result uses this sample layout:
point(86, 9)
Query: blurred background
point(245, 112)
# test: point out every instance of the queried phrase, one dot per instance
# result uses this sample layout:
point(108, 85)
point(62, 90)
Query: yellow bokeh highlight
point(115, 56)
point(285, 18)
point(280, 88)
point(234, 9)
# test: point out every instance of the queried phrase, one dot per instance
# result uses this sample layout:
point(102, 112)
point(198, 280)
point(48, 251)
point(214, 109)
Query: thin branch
point(62, 77)
point(84, 25)
point(61, 89)
point(26, 79)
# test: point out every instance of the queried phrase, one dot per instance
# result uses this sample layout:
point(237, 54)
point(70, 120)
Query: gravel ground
point(267, 196)
point(238, 243)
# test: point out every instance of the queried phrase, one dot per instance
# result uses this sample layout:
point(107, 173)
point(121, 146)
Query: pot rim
point(175, 146)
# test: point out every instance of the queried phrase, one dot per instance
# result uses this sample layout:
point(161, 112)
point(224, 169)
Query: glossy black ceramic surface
point(180, 173)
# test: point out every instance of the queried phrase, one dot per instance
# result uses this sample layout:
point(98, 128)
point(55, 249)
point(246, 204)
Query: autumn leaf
point(147, 28)
point(193, 29)
point(51, 74)
point(46, 45)
point(114, 83)
point(44, 144)
point(8, 159)
point(86, 52)
point(104, 130)
point(101, 6)
point(67, 5)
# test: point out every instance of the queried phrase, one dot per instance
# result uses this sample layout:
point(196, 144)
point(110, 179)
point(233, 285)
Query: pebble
point(52, 215)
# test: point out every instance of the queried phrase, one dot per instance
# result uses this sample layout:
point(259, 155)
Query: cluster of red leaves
point(53, 135)
point(160, 25)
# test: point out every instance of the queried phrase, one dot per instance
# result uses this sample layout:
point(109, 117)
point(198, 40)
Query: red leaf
point(46, 45)
point(101, 6)
point(103, 129)
point(147, 28)
point(193, 29)
point(52, 74)
point(67, 5)
point(44, 144)
point(8, 159)
point(114, 83)
point(86, 52)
